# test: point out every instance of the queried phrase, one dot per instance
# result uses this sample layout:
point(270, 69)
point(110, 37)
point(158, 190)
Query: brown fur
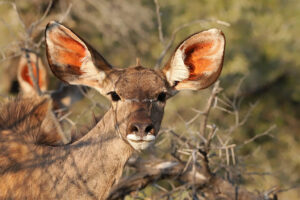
point(87, 168)
point(27, 117)
point(93, 163)
point(62, 99)
point(26, 165)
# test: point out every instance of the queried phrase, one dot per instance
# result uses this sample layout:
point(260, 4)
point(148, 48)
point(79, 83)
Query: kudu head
point(138, 94)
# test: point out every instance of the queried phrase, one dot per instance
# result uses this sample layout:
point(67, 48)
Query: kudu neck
point(103, 139)
point(105, 131)
point(99, 156)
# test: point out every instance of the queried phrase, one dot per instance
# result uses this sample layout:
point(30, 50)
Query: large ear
point(39, 73)
point(197, 61)
point(71, 59)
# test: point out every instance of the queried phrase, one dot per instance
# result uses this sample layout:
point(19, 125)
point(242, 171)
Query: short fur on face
point(138, 94)
point(138, 89)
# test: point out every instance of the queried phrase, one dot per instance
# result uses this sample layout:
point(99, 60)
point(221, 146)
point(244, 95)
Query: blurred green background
point(263, 47)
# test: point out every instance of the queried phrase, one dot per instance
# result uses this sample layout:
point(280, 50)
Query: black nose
point(141, 129)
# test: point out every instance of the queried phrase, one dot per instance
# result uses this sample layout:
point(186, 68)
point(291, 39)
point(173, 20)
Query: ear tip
point(216, 32)
point(51, 25)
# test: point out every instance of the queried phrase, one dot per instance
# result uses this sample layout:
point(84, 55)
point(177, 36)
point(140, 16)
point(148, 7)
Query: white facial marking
point(133, 137)
point(149, 137)
point(143, 100)
point(140, 143)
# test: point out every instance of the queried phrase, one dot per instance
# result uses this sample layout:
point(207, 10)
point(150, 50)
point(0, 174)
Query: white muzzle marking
point(140, 143)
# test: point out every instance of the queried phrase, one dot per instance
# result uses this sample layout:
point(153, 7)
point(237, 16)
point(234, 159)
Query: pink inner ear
point(71, 53)
point(27, 78)
point(197, 61)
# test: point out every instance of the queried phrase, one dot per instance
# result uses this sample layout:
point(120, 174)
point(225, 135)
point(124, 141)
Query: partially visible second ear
point(197, 62)
point(38, 70)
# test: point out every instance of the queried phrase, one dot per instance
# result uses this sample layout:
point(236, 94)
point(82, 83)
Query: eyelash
point(114, 96)
point(162, 97)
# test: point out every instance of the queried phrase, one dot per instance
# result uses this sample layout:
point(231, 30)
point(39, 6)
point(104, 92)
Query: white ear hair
point(179, 70)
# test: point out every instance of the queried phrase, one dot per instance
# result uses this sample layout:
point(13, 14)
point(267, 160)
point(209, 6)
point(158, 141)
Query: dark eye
point(161, 97)
point(114, 96)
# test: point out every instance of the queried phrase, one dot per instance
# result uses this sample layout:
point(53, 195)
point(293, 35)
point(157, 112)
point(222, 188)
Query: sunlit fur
point(89, 167)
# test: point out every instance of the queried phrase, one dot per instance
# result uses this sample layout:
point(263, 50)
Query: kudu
point(51, 132)
point(62, 98)
point(89, 167)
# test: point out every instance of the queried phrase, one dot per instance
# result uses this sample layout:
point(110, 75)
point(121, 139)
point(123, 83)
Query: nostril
point(141, 129)
point(149, 129)
point(133, 129)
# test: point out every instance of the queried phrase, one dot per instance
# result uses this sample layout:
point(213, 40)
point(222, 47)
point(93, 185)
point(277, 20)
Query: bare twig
point(267, 132)
point(153, 170)
point(216, 89)
point(158, 18)
point(63, 17)
point(36, 23)
point(5, 58)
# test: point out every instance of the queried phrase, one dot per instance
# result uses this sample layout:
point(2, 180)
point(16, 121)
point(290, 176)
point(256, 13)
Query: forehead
point(140, 83)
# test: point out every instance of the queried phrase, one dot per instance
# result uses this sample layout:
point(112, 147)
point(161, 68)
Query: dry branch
point(191, 174)
point(267, 132)
point(203, 123)
point(154, 170)
point(158, 18)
